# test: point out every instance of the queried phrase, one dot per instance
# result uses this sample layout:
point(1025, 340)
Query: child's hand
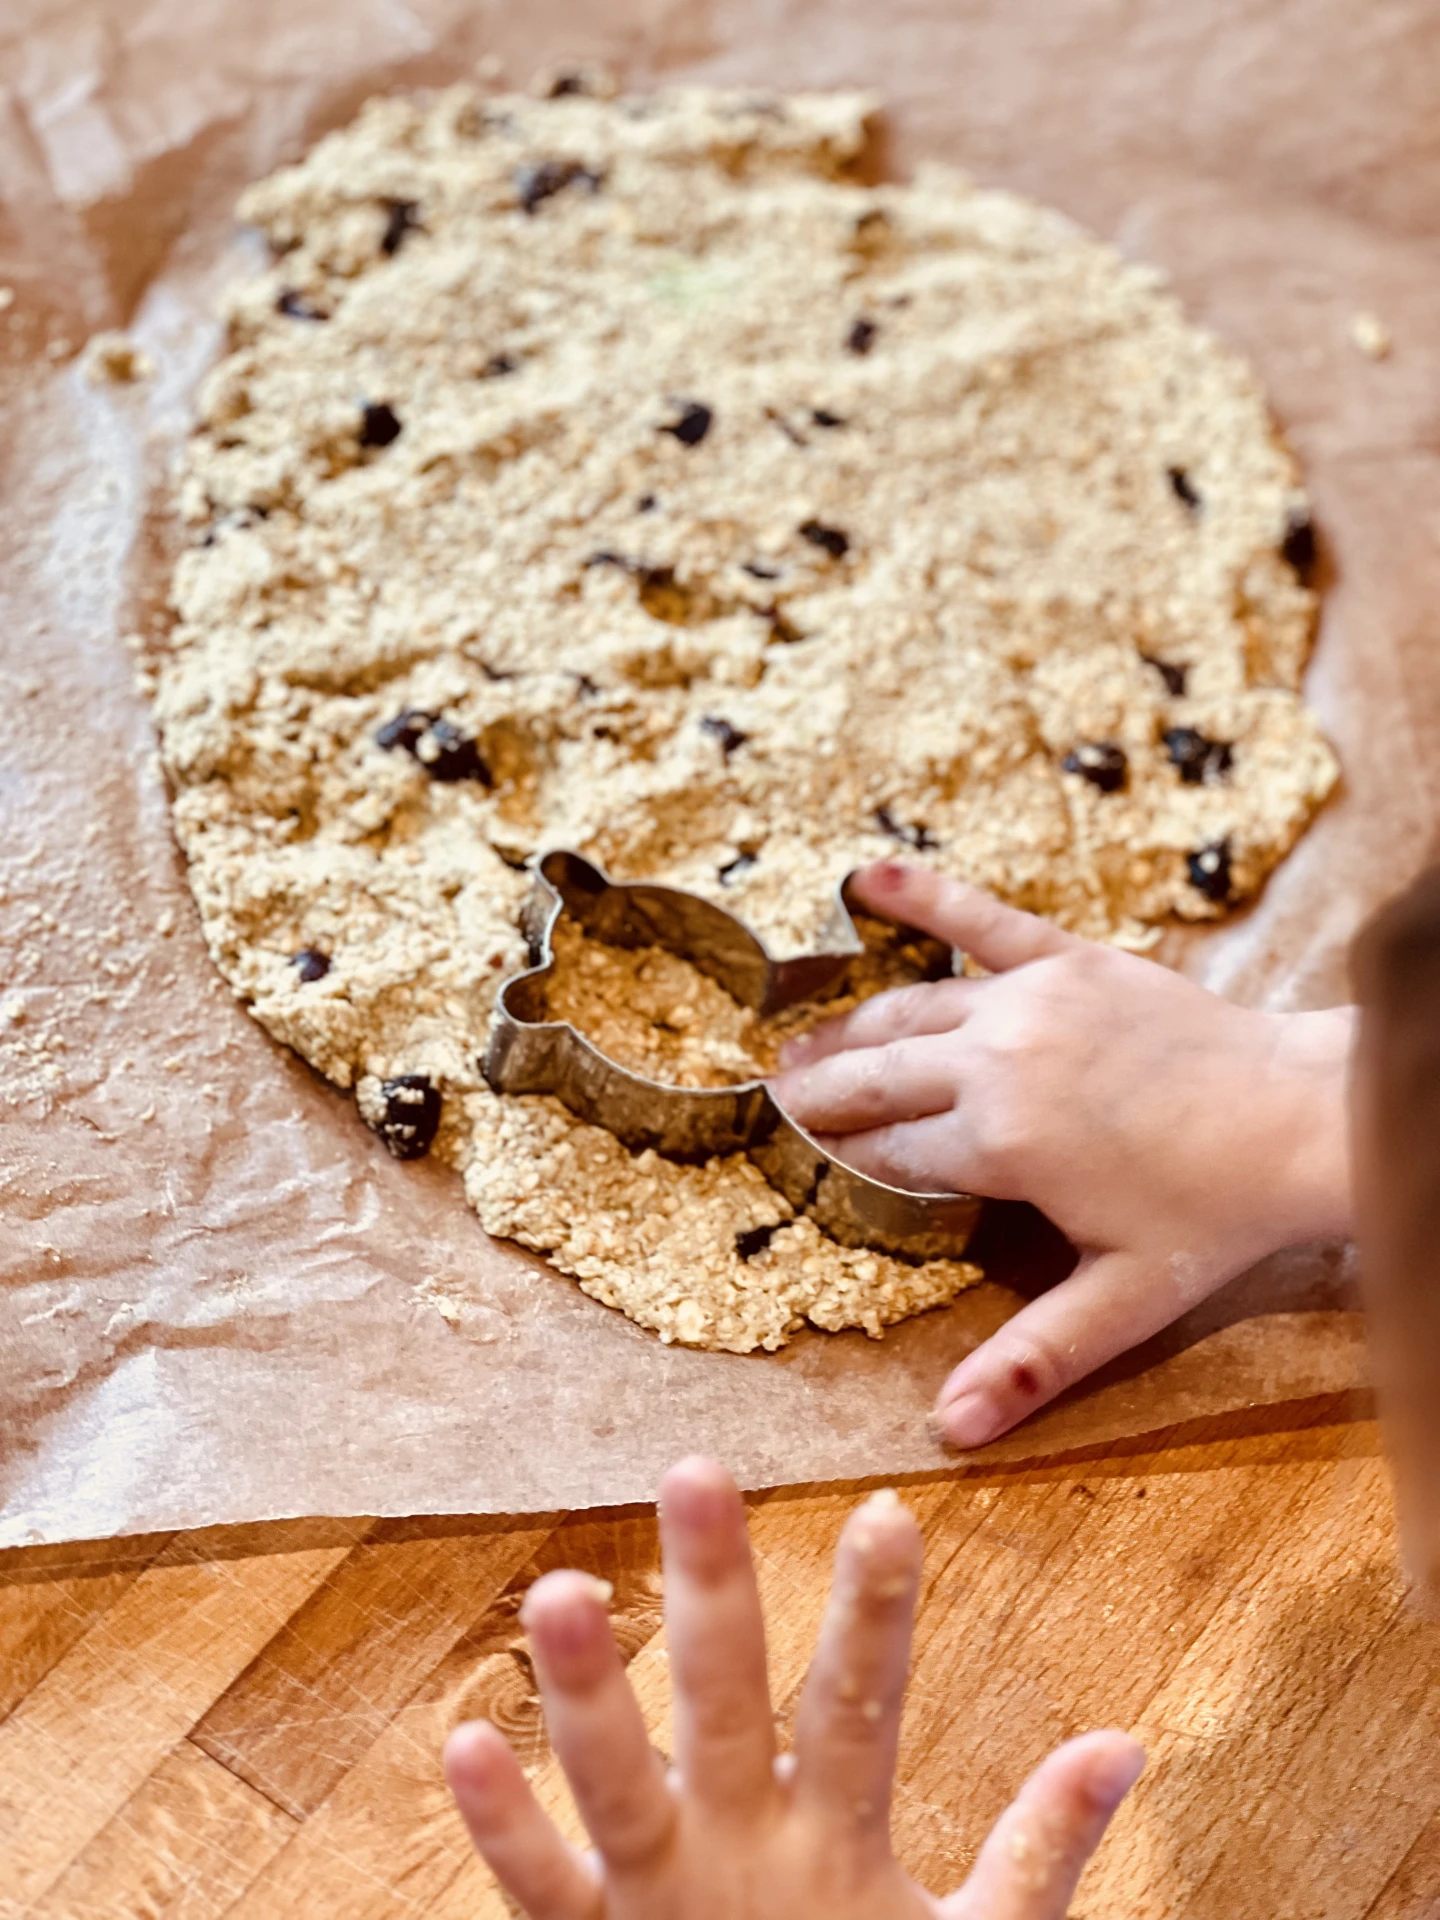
point(1174, 1137)
point(732, 1833)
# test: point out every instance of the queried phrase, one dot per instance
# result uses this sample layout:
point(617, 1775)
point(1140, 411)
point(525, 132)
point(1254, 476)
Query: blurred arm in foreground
point(1396, 1117)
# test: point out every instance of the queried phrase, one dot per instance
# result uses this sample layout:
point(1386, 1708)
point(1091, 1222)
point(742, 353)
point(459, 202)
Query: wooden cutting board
point(249, 1722)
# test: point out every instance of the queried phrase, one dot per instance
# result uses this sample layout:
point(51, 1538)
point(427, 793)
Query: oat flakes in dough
point(651, 489)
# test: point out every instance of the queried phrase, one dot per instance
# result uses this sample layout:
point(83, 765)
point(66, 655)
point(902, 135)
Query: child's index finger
point(984, 928)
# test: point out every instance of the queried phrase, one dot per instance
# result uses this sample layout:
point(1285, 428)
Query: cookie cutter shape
point(530, 1053)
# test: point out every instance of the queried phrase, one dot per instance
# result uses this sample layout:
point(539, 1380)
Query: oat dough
point(616, 473)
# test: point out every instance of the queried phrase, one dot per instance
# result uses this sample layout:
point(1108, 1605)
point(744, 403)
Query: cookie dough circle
point(620, 474)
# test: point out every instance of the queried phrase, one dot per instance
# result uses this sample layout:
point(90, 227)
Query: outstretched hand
point(735, 1831)
point(1174, 1137)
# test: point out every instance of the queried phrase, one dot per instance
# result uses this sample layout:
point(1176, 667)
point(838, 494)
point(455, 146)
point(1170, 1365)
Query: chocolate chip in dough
point(733, 869)
point(1198, 759)
point(822, 417)
point(497, 366)
point(542, 180)
point(404, 730)
point(647, 503)
point(296, 307)
point(831, 539)
point(402, 218)
point(310, 964)
point(1299, 549)
point(1173, 676)
point(1100, 762)
point(760, 570)
point(409, 1117)
point(449, 755)
point(920, 838)
point(379, 425)
point(753, 1240)
point(442, 749)
point(1209, 870)
point(729, 735)
point(693, 424)
point(564, 85)
point(1184, 489)
point(861, 337)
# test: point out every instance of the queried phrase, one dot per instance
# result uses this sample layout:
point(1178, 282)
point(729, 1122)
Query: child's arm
point(734, 1832)
point(1174, 1137)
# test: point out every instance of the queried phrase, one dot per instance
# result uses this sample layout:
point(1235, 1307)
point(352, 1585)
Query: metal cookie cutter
point(529, 1053)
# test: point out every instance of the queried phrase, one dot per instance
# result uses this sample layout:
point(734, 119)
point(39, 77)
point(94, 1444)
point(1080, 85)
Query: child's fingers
point(1110, 1303)
point(871, 1087)
point(594, 1722)
point(724, 1728)
point(999, 937)
point(1037, 1850)
point(934, 1006)
point(517, 1841)
point(848, 1721)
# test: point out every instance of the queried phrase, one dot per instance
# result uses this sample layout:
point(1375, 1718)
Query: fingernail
point(968, 1421)
point(696, 1500)
point(886, 874)
point(879, 1506)
point(567, 1629)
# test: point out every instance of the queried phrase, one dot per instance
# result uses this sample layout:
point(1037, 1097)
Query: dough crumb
point(1371, 336)
point(114, 359)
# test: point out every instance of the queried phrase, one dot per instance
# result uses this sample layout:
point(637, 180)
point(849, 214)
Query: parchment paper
point(219, 1301)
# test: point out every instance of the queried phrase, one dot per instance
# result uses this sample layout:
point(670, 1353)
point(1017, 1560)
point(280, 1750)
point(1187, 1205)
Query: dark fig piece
point(1100, 762)
point(1209, 871)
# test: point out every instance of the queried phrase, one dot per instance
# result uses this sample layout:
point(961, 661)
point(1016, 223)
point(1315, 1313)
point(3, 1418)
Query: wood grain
point(186, 1844)
point(328, 1684)
point(46, 1616)
point(250, 1723)
point(1413, 1891)
point(106, 1715)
